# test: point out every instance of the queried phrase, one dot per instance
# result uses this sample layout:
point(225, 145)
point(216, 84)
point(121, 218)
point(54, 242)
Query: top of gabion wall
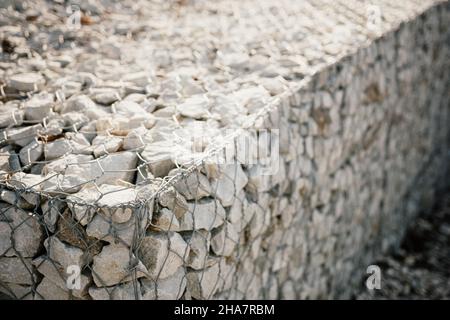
point(108, 103)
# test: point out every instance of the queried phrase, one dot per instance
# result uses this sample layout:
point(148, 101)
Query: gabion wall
point(363, 145)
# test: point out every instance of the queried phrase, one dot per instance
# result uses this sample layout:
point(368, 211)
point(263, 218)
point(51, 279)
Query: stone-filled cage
point(101, 198)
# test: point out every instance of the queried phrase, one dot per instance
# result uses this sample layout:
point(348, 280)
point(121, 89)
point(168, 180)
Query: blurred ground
point(420, 269)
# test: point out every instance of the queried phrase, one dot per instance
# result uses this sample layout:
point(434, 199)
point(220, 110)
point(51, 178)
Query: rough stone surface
point(207, 214)
point(16, 291)
point(202, 284)
point(23, 136)
point(5, 237)
point(47, 290)
point(230, 182)
point(14, 270)
point(163, 254)
point(106, 228)
point(159, 156)
point(58, 276)
point(171, 199)
point(225, 240)
point(114, 264)
point(195, 186)
point(199, 244)
point(63, 254)
point(125, 291)
point(31, 153)
point(171, 288)
point(25, 231)
point(166, 220)
point(104, 144)
point(26, 82)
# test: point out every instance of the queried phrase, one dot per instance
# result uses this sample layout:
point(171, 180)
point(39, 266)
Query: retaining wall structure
point(95, 176)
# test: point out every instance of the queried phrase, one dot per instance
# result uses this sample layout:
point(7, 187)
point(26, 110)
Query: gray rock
point(16, 270)
point(171, 288)
point(27, 82)
point(115, 196)
point(103, 197)
point(231, 181)
point(116, 264)
point(4, 162)
point(56, 274)
point(78, 203)
point(252, 98)
point(26, 231)
point(105, 229)
point(260, 220)
point(75, 119)
point(224, 240)
point(31, 153)
point(165, 220)
point(54, 127)
point(38, 107)
point(162, 254)
point(79, 143)
point(167, 112)
point(69, 88)
point(31, 182)
point(48, 290)
point(51, 211)
point(13, 163)
point(60, 165)
point(118, 166)
point(173, 200)
point(227, 109)
point(205, 214)
point(63, 254)
point(143, 176)
point(23, 136)
point(194, 186)
point(106, 97)
point(57, 149)
point(257, 181)
point(86, 78)
point(5, 237)
point(125, 291)
point(199, 243)
point(159, 158)
point(105, 144)
point(128, 108)
point(15, 199)
point(89, 130)
point(136, 97)
point(238, 213)
point(274, 86)
point(9, 196)
point(81, 170)
point(136, 139)
point(12, 117)
point(203, 284)
point(63, 60)
point(64, 175)
point(16, 291)
point(140, 79)
point(81, 103)
point(146, 192)
point(194, 107)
